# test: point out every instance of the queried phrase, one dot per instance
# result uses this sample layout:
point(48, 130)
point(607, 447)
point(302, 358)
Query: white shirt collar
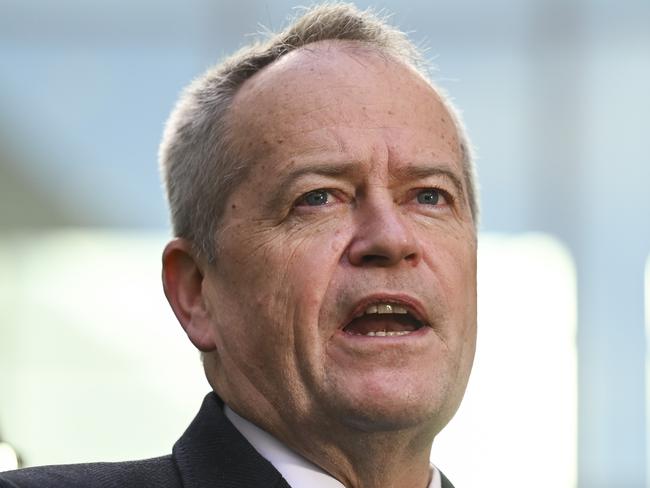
point(299, 472)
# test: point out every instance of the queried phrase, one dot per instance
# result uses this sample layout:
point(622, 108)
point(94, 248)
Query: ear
point(182, 277)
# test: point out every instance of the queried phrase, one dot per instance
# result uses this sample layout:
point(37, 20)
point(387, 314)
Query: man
point(323, 201)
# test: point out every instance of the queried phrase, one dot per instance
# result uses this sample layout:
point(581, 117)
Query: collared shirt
point(298, 471)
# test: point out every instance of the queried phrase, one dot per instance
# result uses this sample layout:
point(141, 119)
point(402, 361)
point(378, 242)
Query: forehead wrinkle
point(339, 139)
point(334, 143)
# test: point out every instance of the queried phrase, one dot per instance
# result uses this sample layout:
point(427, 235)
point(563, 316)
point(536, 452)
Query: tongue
point(386, 322)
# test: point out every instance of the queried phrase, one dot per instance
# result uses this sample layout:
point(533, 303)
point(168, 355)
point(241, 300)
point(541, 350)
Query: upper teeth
point(381, 308)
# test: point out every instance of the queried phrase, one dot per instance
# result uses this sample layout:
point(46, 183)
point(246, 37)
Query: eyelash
point(329, 193)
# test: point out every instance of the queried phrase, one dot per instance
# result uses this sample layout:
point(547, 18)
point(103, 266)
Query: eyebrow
point(323, 169)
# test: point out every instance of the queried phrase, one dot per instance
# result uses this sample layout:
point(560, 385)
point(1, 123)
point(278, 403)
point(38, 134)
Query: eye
point(431, 196)
point(314, 198)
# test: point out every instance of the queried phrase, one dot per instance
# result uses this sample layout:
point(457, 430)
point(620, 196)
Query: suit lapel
point(445, 482)
point(213, 454)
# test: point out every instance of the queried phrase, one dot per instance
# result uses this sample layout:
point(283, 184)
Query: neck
point(358, 456)
point(361, 459)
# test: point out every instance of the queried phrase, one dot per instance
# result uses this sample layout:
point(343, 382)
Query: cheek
point(277, 274)
point(453, 261)
point(465, 310)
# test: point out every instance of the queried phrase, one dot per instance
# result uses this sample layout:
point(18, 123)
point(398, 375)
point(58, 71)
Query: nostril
point(411, 257)
point(374, 259)
point(382, 260)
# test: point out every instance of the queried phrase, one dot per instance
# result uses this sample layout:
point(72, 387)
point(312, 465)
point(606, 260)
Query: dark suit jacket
point(210, 454)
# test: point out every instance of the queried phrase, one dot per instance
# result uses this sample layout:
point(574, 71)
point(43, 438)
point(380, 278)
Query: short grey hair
point(199, 164)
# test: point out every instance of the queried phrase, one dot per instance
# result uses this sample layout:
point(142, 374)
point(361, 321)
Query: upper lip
point(411, 304)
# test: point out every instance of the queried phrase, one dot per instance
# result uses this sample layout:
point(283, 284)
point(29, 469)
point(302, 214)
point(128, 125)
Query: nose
point(383, 237)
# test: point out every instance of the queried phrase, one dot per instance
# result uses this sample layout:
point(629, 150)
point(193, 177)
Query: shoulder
point(156, 472)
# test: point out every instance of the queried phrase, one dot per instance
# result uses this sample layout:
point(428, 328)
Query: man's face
point(344, 287)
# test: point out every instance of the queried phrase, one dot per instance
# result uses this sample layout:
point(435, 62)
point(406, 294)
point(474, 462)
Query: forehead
point(338, 91)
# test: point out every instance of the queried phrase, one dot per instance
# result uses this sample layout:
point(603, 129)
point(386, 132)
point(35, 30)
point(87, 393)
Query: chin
point(385, 411)
point(385, 421)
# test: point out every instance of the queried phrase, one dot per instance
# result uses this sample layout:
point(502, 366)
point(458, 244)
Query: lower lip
point(373, 348)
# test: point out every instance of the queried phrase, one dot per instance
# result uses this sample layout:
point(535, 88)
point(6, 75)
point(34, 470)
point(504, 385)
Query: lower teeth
point(383, 333)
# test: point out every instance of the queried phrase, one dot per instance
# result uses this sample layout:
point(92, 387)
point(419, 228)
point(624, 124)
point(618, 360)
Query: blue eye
point(430, 196)
point(315, 198)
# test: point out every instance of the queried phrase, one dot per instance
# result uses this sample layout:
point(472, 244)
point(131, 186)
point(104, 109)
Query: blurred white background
point(555, 97)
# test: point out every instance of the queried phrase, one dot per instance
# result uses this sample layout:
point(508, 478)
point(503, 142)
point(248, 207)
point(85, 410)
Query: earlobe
point(182, 276)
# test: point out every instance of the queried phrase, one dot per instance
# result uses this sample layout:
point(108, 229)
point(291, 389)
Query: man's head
point(200, 163)
point(341, 290)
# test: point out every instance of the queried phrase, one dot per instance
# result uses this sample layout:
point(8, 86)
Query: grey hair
point(199, 164)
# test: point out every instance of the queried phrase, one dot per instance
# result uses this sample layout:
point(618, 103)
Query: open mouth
point(384, 319)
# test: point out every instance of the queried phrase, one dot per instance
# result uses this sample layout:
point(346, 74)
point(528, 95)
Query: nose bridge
point(383, 234)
